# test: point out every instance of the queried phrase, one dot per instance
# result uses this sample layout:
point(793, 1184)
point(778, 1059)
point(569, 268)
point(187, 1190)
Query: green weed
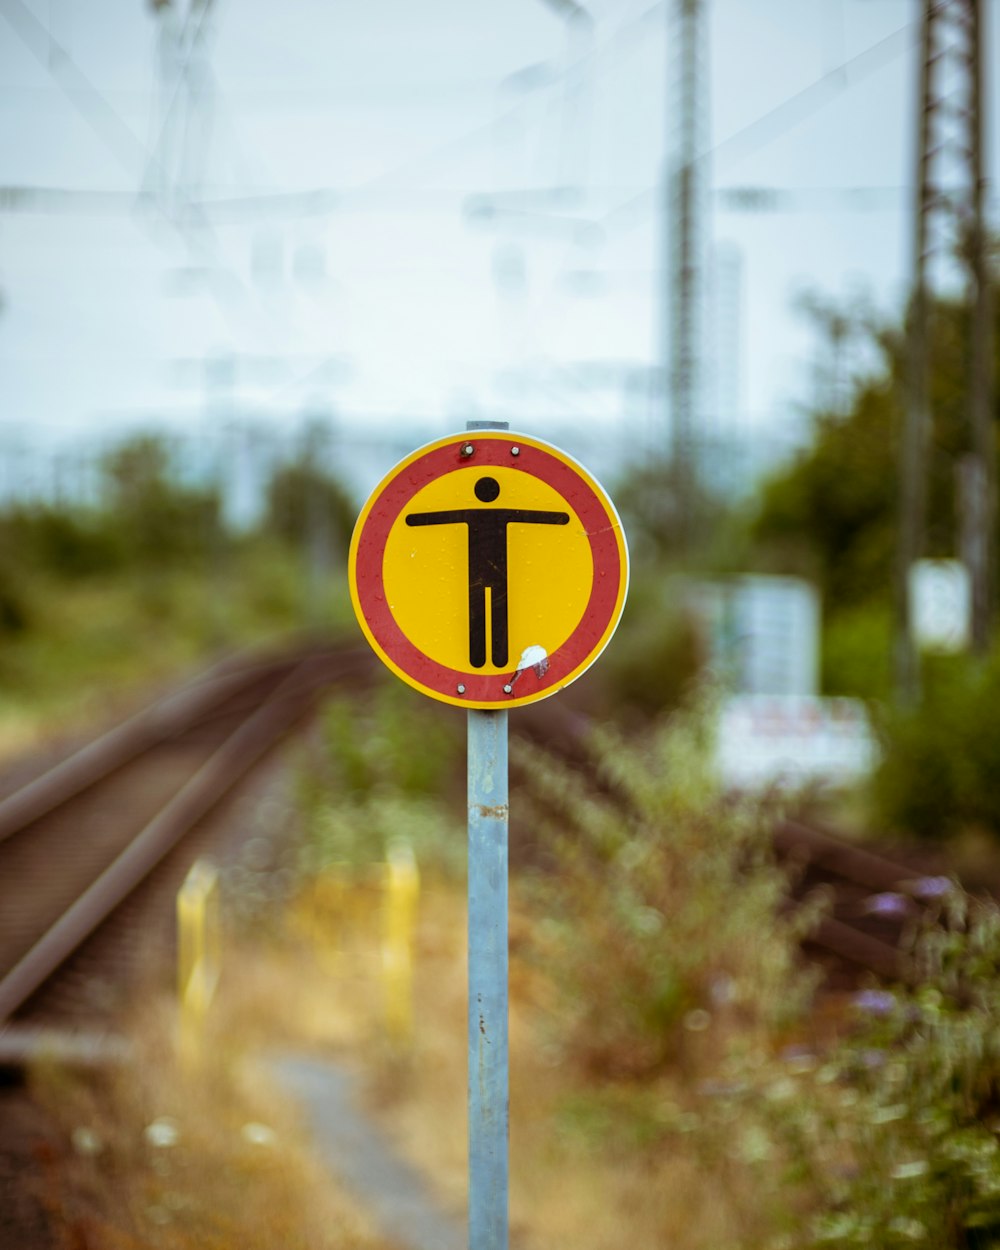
point(389, 768)
point(890, 1140)
point(661, 902)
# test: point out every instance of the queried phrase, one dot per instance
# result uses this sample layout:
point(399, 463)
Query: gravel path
point(360, 1156)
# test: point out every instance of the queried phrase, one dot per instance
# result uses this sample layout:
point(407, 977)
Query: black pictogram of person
point(488, 562)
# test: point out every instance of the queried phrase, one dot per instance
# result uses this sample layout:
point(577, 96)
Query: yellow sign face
point(488, 569)
point(426, 569)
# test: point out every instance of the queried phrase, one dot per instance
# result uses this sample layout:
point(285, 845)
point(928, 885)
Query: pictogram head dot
point(487, 489)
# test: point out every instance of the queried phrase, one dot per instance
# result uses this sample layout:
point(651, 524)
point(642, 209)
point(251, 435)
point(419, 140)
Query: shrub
point(662, 900)
point(941, 760)
point(891, 1141)
point(67, 542)
point(160, 518)
point(15, 614)
point(657, 653)
point(388, 767)
point(305, 505)
point(857, 651)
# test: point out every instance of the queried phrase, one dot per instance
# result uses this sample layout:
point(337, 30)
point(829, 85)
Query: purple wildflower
point(796, 1053)
point(875, 1002)
point(888, 904)
point(932, 887)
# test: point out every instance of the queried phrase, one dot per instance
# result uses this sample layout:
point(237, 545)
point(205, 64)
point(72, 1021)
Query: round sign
point(488, 569)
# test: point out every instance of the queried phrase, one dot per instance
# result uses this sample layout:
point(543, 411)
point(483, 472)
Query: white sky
point(395, 305)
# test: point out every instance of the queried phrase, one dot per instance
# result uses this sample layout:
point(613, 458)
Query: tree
point(309, 508)
point(832, 514)
point(159, 517)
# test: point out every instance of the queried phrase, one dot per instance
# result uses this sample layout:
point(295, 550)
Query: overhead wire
point(117, 134)
point(764, 129)
point(224, 286)
point(781, 118)
point(748, 138)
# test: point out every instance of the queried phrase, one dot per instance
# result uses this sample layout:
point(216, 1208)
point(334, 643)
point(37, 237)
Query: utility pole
point(948, 209)
point(982, 502)
point(916, 381)
point(684, 237)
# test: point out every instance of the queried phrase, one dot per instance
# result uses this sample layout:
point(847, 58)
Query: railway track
point(81, 845)
point(874, 895)
point(92, 852)
point(874, 899)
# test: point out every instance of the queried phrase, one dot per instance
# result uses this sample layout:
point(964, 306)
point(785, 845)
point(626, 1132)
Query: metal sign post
point(488, 1078)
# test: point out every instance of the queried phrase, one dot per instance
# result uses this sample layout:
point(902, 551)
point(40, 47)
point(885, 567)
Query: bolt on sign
point(488, 570)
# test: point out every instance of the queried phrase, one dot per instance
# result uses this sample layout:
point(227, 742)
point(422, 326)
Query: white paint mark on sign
point(534, 657)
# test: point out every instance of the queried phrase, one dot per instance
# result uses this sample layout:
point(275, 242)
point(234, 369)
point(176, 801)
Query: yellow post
point(198, 953)
point(399, 915)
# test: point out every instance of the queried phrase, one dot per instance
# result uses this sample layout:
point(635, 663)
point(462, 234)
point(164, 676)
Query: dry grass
point(582, 1173)
point(575, 1178)
point(177, 1157)
point(124, 635)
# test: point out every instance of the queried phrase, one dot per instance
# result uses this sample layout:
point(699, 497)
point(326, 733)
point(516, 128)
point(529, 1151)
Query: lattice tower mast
point(685, 225)
point(184, 110)
point(949, 231)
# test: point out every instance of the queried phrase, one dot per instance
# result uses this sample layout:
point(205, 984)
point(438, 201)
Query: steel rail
point(857, 947)
point(228, 763)
point(120, 745)
point(795, 840)
point(833, 854)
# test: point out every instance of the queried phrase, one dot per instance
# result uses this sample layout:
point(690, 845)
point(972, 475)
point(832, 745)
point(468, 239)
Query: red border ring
point(607, 544)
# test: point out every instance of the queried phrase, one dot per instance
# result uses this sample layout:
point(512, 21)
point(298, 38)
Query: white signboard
point(762, 633)
point(765, 740)
point(940, 604)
